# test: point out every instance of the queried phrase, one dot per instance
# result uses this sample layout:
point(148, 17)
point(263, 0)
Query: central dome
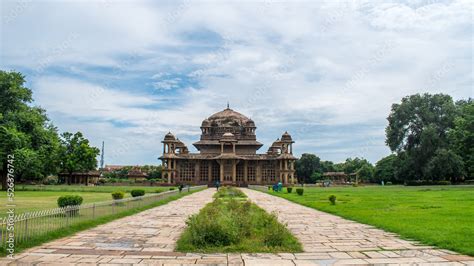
point(228, 118)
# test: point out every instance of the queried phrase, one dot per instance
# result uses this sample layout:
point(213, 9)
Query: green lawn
point(435, 215)
point(86, 224)
point(29, 197)
point(103, 188)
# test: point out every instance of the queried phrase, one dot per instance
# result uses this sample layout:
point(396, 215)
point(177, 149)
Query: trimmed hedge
point(426, 183)
point(299, 191)
point(137, 192)
point(69, 200)
point(332, 199)
point(117, 195)
point(289, 189)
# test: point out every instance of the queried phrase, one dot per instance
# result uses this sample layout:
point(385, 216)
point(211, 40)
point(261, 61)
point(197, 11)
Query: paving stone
point(149, 238)
point(325, 236)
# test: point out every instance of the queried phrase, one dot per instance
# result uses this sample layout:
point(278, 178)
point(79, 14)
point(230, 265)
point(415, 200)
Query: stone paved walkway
point(337, 240)
point(132, 239)
point(149, 237)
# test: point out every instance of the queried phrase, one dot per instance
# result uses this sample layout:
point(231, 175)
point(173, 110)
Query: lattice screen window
point(251, 171)
point(268, 172)
point(216, 171)
point(204, 171)
point(186, 170)
point(240, 172)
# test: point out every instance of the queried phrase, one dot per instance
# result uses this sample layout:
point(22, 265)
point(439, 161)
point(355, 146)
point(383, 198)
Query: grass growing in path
point(90, 224)
point(435, 215)
point(233, 224)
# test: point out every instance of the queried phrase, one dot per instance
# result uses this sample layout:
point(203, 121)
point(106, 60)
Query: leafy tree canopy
point(76, 153)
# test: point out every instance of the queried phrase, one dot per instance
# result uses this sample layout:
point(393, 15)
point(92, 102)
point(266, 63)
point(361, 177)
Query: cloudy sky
point(127, 72)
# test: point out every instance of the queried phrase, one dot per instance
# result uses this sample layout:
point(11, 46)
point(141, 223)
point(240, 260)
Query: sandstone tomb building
point(227, 151)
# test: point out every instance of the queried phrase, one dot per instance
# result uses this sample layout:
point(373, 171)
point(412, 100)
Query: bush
point(212, 227)
point(101, 181)
point(230, 192)
point(117, 195)
point(172, 188)
point(274, 232)
point(137, 192)
point(289, 189)
point(426, 183)
point(332, 199)
point(299, 191)
point(69, 200)
point(50, 180)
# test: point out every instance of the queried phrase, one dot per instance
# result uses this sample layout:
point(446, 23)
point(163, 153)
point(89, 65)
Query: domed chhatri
point(227, 152)
point(169, 137)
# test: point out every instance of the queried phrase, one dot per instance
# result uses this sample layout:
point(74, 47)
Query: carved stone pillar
point(259, 173)
point(222, 171)
point(197, 172)
point(234, 171)
point(209, 171)
point(246, 173)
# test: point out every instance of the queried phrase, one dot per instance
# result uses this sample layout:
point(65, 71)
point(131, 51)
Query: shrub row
point(426, 183)
point(69, 200)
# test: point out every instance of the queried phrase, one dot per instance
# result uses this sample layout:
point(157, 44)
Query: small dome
point(206, 123)
point(180, 144)
point(276, 144)
point(250, 123)
point(286, 137)
point(170, 137)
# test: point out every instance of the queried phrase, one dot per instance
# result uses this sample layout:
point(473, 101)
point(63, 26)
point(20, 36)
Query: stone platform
point(149, 238)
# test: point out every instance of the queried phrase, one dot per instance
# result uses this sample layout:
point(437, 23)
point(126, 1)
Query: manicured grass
point(233, 224)
point(31, 198)
point(90, 224)
point(82, 188)
point(39, 200)
point(435, 215)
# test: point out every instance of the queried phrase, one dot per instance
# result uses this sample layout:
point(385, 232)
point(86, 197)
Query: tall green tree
point(76, 153)
point(306, 166)
point(353, 165)
point(445, 165)
point(462, 135)
point(25, 132)
point(418, 126)
point(386, 169)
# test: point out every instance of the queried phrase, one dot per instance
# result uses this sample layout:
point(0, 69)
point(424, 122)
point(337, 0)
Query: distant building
point(134, 172)
point(84, 178)
point(228, 154)
point(340, 177)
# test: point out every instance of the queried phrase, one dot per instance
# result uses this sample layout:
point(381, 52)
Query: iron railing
point(26, 226)
point(258, 187)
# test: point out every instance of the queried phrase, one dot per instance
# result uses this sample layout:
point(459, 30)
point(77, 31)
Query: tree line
point(431, 138)
point(27, 134)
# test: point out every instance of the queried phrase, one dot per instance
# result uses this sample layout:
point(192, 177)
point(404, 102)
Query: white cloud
point(287, 65)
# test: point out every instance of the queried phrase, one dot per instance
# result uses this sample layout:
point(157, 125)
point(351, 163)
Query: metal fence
point(259, 187)
point(27, 226)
